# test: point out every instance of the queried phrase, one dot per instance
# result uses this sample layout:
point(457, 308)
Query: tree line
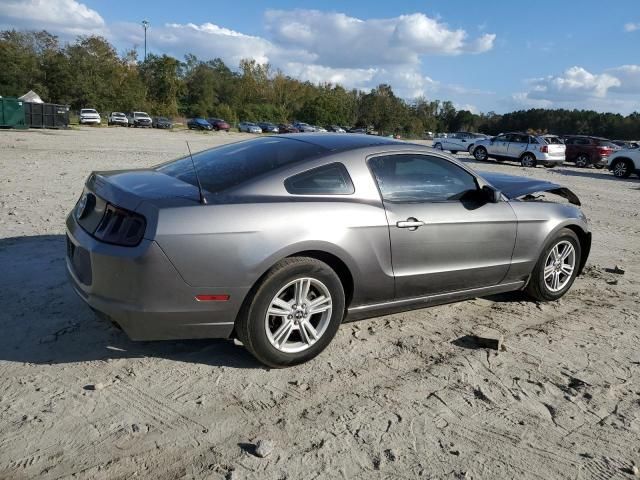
point(89, 73)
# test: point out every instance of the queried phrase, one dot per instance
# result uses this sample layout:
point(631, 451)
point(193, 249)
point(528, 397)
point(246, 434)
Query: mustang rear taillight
point(120, 227)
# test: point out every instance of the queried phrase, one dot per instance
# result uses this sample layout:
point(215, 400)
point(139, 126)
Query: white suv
point(623, 163)
point(529, 150)
point(89, 115)
point(457, 142)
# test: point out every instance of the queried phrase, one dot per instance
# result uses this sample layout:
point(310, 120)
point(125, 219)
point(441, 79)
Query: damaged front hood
point(514, 187)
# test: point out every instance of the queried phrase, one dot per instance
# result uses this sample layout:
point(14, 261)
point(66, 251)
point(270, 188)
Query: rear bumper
point(546, 159)
point(139, 289)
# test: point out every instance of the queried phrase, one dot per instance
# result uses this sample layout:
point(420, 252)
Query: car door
point(517, 145)
point(499, 145)
point(444, 236)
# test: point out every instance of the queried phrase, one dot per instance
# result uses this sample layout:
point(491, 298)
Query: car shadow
point(43, 321)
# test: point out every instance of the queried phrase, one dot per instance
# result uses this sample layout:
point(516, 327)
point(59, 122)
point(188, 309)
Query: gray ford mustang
point(277, 240)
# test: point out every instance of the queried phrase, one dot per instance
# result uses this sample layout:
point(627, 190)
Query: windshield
point(230, 165)
point(140, 114)
point(118, 114)
point(88, 110)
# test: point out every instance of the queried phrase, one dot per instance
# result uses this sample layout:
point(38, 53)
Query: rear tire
point(438, 146)
point(541, 284)
point(621, 168)
point(528, 160)
point(285, 338)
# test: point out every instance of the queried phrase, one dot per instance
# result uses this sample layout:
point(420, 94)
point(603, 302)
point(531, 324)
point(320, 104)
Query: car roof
point(340, 142)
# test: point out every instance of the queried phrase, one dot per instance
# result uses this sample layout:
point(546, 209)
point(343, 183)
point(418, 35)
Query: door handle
point(411, 223)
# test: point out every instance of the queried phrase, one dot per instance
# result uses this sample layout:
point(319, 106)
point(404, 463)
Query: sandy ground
point(402, 396)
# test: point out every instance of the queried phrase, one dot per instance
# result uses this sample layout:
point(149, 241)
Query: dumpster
point(12, 113)
point(46, 115)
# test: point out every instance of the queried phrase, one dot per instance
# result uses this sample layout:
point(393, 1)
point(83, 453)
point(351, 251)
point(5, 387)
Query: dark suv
point(585, 151)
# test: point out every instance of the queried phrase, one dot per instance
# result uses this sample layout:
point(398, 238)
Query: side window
point(533, 140)
point(332, 179)
point(516, 138)
point(502, 138)
point(421, 178)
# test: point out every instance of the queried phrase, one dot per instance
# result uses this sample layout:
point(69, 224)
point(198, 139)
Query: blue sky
point(483, 56)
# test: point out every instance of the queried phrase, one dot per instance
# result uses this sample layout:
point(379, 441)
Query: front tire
point(480, 154)
point(293, 314)
point(556, 268)
point(621, 168)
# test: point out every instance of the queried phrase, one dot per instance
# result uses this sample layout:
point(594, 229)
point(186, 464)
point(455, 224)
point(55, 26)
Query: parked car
point(319, 129)
point(335, 128)
point(529, 150)
point(304, 127)
point(117, 118)
point(287, 128)
point(347, 227)
point(622, 163)
point(585, 151)
point(219, 124)
point(199, 124)
point(139, 119)
point(161, 122)
point(268, 127)
point(249, 127)
point(458, 142)
point(361, 130)
point(625, 144)
point(89, 116)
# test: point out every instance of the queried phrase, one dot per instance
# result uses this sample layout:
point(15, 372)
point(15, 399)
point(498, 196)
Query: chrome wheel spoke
point(302, 290)
point(567, 270)
point(282, 334)
point(320, 304)
point(548, 271)
point(279, 308)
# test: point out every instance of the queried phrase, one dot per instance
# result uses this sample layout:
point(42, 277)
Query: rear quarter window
point(332, 179)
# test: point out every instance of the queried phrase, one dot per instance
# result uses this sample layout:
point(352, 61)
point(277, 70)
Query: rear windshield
point(553, 140)
point(231, 165)
point(607, 143)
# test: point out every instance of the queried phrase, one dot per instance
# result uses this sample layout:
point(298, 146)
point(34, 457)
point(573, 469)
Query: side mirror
point(491, 194)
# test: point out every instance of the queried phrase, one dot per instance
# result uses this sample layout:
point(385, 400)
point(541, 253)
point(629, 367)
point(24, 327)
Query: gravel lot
point(394, 397)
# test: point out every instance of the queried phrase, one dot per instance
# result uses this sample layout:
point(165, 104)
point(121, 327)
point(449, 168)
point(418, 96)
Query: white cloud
point(615, 89)
point(629, 77)
point(341, 41)
point(63, 17)
point(574, 83)
point(631, 27)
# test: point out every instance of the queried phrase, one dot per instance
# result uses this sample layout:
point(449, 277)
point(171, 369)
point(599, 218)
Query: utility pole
point(145, 25)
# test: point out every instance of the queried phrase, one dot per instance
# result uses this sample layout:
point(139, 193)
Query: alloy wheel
point(480, 154)
point(620, 169)
point(582, 161)
point(559, 266)
point(298, 315)
point(528, 161)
